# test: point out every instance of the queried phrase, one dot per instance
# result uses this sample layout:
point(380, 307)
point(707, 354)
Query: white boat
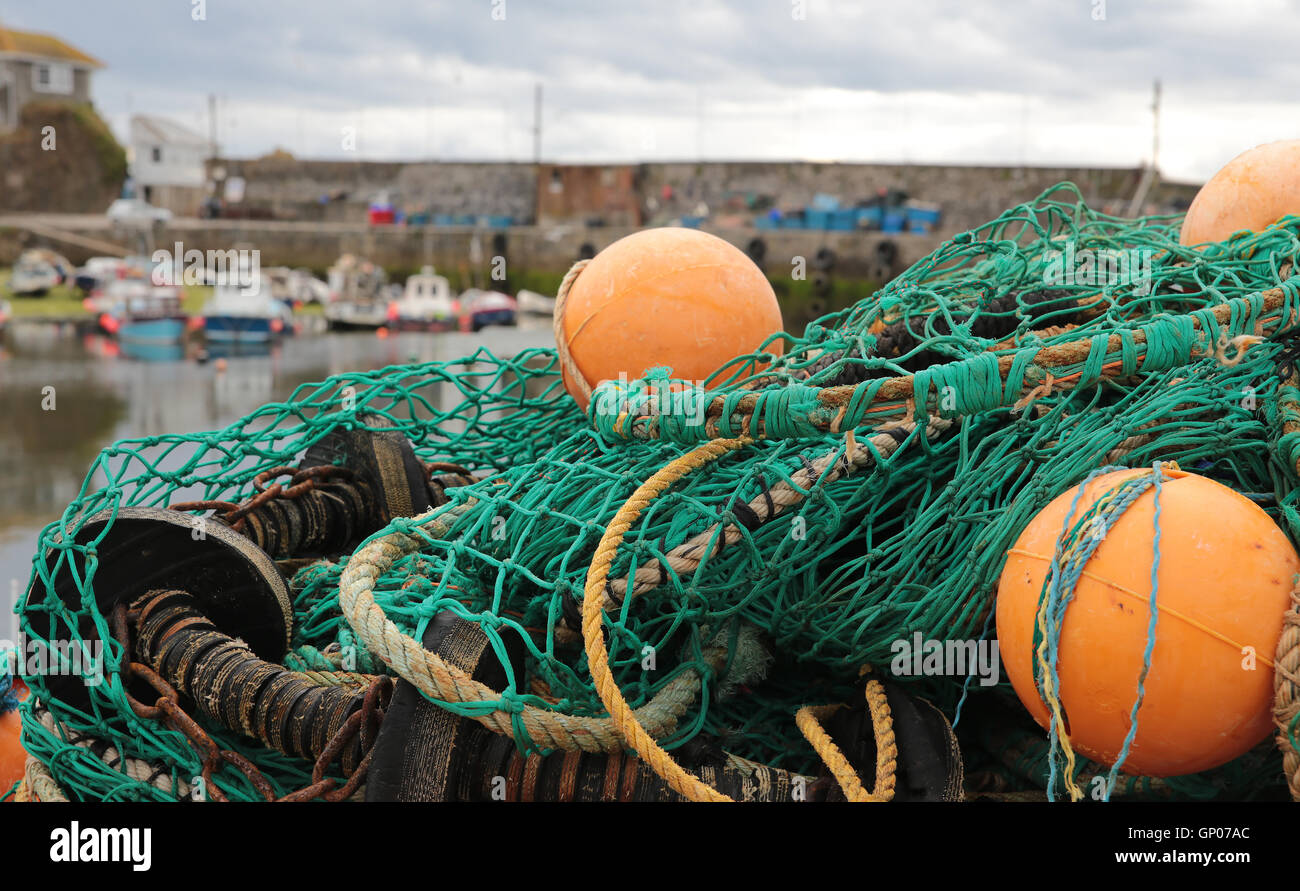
point(304, 287)
point(36, 272)
point(98, 272)
point(426, 304)
point(236, 314)
point(356, 295)
point(533, 303)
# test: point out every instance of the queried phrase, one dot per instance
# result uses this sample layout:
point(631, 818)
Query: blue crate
point(844, 221)
point(817, 219)
point(498, 221)
point(870, 216)
point(792, 221)
point(924, 214)
point(692, 222)
point(766, 223)
point(894, 221)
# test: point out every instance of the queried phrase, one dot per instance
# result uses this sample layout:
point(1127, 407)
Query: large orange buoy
point(671, 297)
point(13, 758)
point(1225, 577)
point(1254, 189)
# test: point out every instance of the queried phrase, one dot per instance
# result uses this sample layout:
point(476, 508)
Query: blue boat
point(139, 312)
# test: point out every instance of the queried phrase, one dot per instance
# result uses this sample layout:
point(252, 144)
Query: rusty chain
point(300, 483)
point(167, 709)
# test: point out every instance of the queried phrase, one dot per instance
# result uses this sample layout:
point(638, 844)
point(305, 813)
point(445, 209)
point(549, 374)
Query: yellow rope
point(621, 714)
point(809, 720)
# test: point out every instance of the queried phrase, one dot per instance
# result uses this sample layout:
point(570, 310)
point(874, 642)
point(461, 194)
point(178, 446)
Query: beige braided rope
point(38, 783)
point(1286, 692)
point(151, 773)
point(557, 325)
point(438, 679)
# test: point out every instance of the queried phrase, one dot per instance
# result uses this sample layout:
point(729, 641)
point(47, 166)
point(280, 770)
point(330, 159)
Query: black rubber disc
point(235, 584)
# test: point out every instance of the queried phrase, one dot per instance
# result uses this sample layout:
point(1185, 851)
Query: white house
point(39, 67)
point(167, 163)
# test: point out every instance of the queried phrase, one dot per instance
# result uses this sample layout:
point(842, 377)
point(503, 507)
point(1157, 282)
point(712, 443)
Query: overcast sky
point(960, 81)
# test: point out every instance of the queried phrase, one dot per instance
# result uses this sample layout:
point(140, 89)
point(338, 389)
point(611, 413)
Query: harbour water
point(48, 437)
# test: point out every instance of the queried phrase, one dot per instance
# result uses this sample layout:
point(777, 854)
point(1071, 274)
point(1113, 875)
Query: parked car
point(137, 212)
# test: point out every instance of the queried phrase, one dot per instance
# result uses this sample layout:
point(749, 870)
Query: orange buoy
point(1224, 582)
point(672, 297)
point(13, 758)
point(1254, 189)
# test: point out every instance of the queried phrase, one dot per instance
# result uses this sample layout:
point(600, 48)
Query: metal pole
point(212, 125)
point(537, 123)
point(1155, 126)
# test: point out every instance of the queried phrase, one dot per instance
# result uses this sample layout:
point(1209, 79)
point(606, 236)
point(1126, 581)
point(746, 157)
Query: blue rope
point(1059, 589)
point(1157, 475)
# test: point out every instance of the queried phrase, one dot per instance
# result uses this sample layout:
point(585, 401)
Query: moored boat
point(425, 305)
point(37, 271)
point(356, 295)
point(236, 314)
point(479, 309)
point(136, 311)
point(535, 304)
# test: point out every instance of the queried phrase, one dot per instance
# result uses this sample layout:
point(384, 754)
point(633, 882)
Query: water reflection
point(102, 394)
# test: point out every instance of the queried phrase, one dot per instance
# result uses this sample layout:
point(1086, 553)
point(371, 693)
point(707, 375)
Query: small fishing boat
point(479, 309)
point(355, 315)
point(237, 314)
point(532, 303)
point(139, 312)
point(425, 305)
point(98, 272)
point(357, 300)
point(36, 272)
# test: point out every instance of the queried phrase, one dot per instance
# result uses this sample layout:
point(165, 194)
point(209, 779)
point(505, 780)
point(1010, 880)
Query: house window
point(157, 154)
point(51, 77)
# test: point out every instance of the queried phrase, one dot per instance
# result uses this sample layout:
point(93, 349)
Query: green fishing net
point(864, 513)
